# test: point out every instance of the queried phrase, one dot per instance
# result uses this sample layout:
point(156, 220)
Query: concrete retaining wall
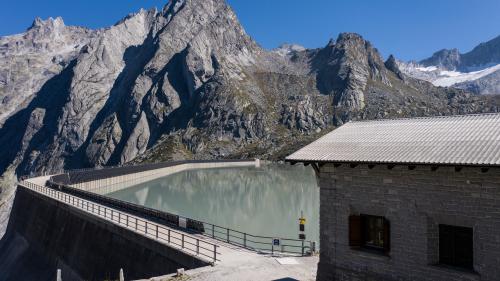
point(44, 235)
point(112, 184)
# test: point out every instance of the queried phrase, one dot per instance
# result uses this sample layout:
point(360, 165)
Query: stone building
point(409, 199)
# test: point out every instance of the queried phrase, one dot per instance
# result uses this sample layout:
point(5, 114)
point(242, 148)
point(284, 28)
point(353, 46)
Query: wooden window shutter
point(355, 235)
point(387, 236)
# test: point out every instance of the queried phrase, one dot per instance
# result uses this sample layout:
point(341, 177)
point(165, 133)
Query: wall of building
point(44, 235)
point(416, 202)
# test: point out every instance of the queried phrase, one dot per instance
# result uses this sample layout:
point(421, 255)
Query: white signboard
point(182, 222)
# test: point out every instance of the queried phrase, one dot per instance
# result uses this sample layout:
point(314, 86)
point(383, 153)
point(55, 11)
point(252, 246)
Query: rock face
point(477, 71)
point(188, 82)
point(487, 53)
point(28, 60)
point(345, 67)
point(447, 59)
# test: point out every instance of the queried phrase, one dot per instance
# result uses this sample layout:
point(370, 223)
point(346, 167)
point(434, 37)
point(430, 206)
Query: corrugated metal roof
point(455, 140)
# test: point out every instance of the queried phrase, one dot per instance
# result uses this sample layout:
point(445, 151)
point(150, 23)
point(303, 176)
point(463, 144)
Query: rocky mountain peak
point(476, 71)
point(347, 67)
point(186, 82)
point(49, 23)
point(483, 55)
point(35, 56)
point(445, 58)
point(355, 45)
point(349, 37)
point(149, 14)
point(392, 64)
point(211, 6)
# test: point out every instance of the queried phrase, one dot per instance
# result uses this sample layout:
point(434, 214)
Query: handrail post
point(213, 231)
point(215, 253)
point(197, 246)
point(244, 240)
point(227, 231)
point(182, 241)
point(169, 236)
point(156, 231)
point(302, 247)
point(127, 220)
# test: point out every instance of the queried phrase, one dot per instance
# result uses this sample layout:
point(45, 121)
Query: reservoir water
point(265, 201)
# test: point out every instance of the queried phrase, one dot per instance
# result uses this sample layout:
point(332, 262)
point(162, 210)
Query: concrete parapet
point(112, 184)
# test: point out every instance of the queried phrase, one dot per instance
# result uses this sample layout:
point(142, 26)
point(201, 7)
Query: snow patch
point(442, 77)
point(450, 78)
point(287, 49)
point(427, 69)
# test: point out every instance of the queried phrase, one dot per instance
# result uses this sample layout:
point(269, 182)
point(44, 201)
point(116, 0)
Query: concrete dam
point(62, 222)
point(47, 235)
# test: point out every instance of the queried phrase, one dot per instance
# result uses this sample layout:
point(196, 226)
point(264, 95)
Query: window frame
point(453, 259)
point(358, 234)
point(365, 229)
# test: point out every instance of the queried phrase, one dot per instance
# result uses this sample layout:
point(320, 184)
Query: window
point(456, 246)
point(369, 232)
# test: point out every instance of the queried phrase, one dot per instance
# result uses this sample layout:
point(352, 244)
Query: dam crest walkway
point(229, 261)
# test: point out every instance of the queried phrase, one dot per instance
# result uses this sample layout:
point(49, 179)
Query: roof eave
point(308, 161)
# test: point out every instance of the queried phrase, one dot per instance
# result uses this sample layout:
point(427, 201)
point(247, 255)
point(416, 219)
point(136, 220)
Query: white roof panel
point(454, 140)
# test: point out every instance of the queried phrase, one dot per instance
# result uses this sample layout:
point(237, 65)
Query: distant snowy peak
point(441, 76)
point(447, 59)
point(484, 55)
point(477, 71)
point(288, 49)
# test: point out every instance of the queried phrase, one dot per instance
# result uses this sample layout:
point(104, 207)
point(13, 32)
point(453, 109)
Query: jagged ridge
point(188, 82)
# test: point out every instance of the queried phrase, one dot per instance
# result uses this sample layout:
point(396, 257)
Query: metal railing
point(259, 243)
point(71, 182)
point(266, 244)
point(186, 243)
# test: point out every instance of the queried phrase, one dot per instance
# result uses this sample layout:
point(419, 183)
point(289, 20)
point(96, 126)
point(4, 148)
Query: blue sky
point(410, 29)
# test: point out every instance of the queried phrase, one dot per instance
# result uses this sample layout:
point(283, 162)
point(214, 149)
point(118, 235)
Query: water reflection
point(262, 201)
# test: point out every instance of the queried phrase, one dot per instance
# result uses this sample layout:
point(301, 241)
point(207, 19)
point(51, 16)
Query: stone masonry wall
point(416, 202)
